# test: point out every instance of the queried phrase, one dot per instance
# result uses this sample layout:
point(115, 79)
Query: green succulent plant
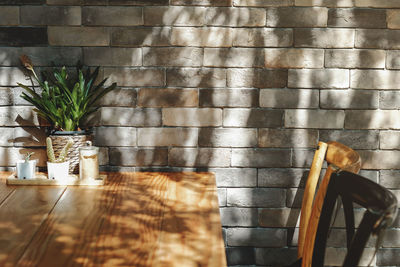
point(63, 101)
point(63, 154)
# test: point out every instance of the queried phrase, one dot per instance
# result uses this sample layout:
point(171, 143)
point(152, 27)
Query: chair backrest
point(381, 209)
point(338, 157)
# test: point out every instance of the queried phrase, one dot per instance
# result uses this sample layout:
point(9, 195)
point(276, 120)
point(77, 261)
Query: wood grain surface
point(136, 219)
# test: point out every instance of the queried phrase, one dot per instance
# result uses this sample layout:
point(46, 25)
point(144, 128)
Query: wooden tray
point(41, 179)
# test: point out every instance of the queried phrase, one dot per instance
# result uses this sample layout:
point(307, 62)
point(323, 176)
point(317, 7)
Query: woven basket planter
point(61, 138)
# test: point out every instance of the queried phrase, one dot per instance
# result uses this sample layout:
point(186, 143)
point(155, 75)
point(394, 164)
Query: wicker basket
point(59, 142)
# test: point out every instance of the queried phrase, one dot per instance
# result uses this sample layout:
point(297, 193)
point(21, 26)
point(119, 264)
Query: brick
point(262, 37)
point(256, 197)
point(281, 218)
point(167, 97)
point(201, 2)
point(393, 18)
point(255, 157)
point(18, 2)
point(327, 38)
point(240, 255)
point(302, 158)
point(357, 18)
point(279, 177)
point(192, 117)
point(256, 237)
point(64, 2)
point(371, 175)
point(23, 36)
point(173, 56)
point(294, 197)
point(46, 56)
point(381, 39)
point(10, 76)
point(293, 58)
point(26, 136)
point(235, 177)
point(240, 117)
point(393, 60)
point(78, 36)
point(287, 138)
point(167, 137)
point(389, 100)
point(138, 2)
point(235, 17)
point(335, 256)
point(208, 37)
point(8, 137)
point(135, 77)
point(349, 99)
point(346, 58)
point(276, 256)
point(281, 98)
point(326, 3)
point(119, 97)
point(228, 97)
point(259, 78)
point(288, 17)
point(355, 139)
point(10, 56)
point(233, 57)
point(228, 137)
point(121, 116)
point(199, 157)
point(389, 140)
point(372, 119)
point(390, 179)
point(392, 238)
point(388, 257)
point(9, 15)
point(195, 77)
point(177, 16)
point(9, 156)
point(124, 156)
point(326, 78)
point(238, 216)
point(377, 3)
point(375, 79)
point(377, 160)
point(95, 2)
point(18, 116)
point(106, 56)
point(222, 202)
point(121, 16)
point(50, 15)
point(115, 136)
point(154, 36)
point(302, 118)
point(8, 96)
point(263, 3)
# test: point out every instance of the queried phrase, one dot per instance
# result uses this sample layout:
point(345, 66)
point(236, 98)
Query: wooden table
point(136, 219)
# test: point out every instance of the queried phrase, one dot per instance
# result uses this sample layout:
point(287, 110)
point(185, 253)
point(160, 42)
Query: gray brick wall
point(242, 88)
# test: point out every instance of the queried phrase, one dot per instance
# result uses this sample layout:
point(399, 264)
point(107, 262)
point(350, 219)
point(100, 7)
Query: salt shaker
point(89, 162)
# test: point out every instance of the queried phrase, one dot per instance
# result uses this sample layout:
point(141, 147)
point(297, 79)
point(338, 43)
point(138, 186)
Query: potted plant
point(58, 168)
point(65, 102)
point(26, 168)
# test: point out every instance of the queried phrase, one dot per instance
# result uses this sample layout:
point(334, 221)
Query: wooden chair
point(338, 157)
point(381, 209)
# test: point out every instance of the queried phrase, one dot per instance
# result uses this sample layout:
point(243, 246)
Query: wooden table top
point(136, 219)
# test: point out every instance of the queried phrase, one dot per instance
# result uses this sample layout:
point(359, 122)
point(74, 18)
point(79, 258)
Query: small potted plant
point(65, 102)
point(58, 169)
point(26, 168)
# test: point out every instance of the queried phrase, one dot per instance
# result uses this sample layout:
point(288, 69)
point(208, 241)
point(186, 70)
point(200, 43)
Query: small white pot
point(26, 169)
point(58, 171)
